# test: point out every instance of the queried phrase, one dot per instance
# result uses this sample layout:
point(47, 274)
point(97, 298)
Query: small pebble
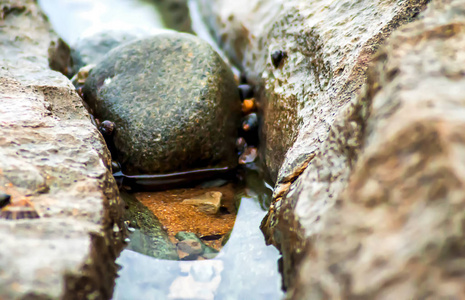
point(248, 106)
point(241, 144)
point(127, 240)
point(245, 91)
point(250, 122)
point(115, 167)
point(83, 74)
point(277, 56)
point(190, 246)
point(249, 155)
point(4, 199)
point(131, 229)
point(107, 128)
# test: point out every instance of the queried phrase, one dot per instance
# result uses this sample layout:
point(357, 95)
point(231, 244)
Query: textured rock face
point(396, 231)
point(173, 100)
point(175, 14)
point(52, 157)
point(328, 45)
point(310, 122)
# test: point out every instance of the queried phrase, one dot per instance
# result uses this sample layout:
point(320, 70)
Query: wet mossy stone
point(173, 100)
point(148, 235)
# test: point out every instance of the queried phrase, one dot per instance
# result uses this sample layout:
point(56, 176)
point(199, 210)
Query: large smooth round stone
point(174, 102)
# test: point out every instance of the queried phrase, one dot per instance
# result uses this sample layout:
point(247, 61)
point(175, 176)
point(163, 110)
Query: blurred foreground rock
point(54, 158)
point(397, 229)
point(175, 14)
point(394, 230)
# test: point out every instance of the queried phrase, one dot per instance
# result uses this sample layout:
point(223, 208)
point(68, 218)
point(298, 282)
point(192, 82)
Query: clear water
point(245, 268)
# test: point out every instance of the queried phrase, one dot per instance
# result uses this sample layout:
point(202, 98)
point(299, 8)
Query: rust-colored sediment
point(177, 217)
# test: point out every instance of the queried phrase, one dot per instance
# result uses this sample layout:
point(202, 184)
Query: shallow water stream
point(245, 268)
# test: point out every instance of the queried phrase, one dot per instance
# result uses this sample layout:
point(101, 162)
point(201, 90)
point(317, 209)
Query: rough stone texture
point(328, 45)
point(173, 100)
point(310, 123)
point(397, 229)
point(51, 155)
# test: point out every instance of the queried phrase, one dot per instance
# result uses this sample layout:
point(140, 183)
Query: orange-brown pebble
point(249, 155)
point(248, 106)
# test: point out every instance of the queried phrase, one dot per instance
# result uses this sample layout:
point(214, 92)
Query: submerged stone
point(190, 247)
point(148, 236)
point(208, 203)
point(173, 100)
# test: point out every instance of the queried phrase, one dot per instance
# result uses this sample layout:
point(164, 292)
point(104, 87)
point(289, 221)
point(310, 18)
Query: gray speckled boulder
point(174, 101)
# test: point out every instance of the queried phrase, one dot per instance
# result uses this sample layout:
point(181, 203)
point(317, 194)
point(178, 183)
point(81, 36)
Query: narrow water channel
point(245, 268)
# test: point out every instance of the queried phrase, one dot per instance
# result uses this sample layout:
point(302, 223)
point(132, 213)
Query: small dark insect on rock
point(277, 56)
point(4, 199)
point(107, 128)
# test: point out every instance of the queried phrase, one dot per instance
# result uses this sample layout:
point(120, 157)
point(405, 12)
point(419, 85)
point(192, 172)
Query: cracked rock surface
point(54, 159)
point(368, 196)
point(396, 230)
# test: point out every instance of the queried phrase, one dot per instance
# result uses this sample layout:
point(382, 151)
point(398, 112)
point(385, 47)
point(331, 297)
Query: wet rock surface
point(148, 236)
point(90, 49)
point(54, 162)
point(311, 60)
point(173, 100)
point(175, 14)
point(393, 231)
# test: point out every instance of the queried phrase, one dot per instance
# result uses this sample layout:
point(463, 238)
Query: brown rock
point(396, 230)
point(312, 130)
point(51, 155)
point(189, 248)
point(208, 203)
